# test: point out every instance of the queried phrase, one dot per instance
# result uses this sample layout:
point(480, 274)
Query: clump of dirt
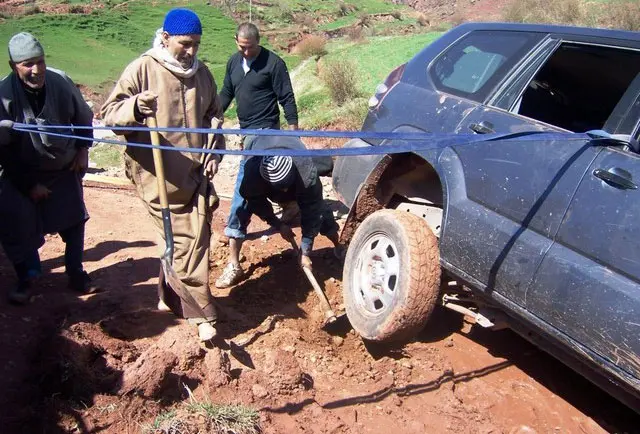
point(148, 375)
point(282, 371)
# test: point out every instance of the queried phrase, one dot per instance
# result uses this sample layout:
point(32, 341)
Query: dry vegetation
point(312, 45)
point(340, 78)
point(618, 14)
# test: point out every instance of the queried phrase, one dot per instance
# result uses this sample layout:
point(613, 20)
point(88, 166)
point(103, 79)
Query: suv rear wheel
point(391, 277)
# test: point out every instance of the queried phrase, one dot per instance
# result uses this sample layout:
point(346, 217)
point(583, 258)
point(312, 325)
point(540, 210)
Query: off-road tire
point(417, 284)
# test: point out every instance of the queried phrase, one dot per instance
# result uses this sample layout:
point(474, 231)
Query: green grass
point(378, 56)
point(95, 48)
point(238, 419)
point(105, 155)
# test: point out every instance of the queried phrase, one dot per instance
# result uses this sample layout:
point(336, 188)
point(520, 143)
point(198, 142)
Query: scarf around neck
point(159, 52)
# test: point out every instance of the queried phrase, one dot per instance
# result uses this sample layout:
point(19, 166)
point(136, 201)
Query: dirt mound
point(17, 8)
point(457, 11)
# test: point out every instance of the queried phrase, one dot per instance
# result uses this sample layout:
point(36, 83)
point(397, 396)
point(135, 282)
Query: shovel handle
point(158, 163)
point(329, 315)
point(162, 188)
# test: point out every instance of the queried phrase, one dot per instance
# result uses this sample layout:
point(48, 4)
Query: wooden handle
point(326, 307)
point(157, 162)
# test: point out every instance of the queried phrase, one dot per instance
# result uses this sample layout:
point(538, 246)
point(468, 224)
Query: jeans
point(239, 216)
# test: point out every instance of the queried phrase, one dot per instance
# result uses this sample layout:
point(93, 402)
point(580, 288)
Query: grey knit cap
point(24, 46)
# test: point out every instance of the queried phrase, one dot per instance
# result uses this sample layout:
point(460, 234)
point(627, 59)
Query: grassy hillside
point(94, 48)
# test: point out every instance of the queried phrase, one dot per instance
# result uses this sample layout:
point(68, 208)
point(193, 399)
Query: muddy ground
point(110, 362)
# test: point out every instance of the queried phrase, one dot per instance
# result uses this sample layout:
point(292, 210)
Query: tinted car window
point(474, 64)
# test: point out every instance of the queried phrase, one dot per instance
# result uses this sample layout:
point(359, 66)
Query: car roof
point(548, 28)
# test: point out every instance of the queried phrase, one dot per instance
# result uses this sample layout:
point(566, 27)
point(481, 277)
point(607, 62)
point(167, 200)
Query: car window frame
point(507, 102)
point(499, 75)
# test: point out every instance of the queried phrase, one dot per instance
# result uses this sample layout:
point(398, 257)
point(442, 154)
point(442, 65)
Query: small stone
point(259, 391)
point(264, 238)
point(407, 364)
point(337, 340)
point(448, 344)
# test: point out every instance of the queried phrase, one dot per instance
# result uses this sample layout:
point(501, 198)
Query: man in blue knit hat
point(169, 82)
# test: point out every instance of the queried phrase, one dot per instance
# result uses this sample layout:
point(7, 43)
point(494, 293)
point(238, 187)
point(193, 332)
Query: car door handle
point(484, 127)
point(616, 177)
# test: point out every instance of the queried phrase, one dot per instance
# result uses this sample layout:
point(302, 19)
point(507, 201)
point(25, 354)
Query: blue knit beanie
point(182, 22)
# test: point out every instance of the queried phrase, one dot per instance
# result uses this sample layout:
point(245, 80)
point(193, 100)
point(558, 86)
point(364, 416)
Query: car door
point(505, 203)
point(552, 91)
point(588, 285)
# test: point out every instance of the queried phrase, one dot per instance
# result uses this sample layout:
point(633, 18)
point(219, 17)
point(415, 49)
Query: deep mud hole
point(111, 362)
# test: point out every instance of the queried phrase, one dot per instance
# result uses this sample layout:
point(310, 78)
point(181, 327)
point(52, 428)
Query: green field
point(94, 48)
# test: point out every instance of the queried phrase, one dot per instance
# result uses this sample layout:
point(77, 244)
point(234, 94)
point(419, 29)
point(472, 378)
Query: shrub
point(355, 33)
point(31, 10)
point(340, 78)
point(284, 11)
point(364, 19)
point(423, 20)
point(76, 9)
point(312, 45)
point(345, 9)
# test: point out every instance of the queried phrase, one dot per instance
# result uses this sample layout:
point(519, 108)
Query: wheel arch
point(399, 179)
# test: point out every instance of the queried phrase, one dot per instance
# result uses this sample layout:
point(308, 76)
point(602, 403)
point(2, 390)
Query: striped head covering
point(277, 170)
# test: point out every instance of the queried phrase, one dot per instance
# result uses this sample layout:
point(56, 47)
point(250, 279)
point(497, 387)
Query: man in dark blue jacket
point(283, 179)
point(258, 80)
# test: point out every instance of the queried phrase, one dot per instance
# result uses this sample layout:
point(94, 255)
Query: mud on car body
point(538, 234)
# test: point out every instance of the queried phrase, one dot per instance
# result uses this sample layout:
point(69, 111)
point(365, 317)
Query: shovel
point(171, 277)
point(329, 315)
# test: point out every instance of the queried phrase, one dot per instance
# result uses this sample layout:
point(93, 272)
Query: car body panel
point(589, 282)
point(530, 224)
point(513, 195)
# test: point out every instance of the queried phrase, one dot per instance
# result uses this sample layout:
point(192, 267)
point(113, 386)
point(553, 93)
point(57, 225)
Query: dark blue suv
point(539, 233)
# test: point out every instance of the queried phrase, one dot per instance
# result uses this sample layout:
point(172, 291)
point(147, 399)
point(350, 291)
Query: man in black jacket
point(258, 80)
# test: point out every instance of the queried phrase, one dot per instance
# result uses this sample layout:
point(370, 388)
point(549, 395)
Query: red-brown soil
point(110, 362)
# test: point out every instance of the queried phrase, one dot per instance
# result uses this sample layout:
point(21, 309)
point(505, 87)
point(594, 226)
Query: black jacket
point(258, 92)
